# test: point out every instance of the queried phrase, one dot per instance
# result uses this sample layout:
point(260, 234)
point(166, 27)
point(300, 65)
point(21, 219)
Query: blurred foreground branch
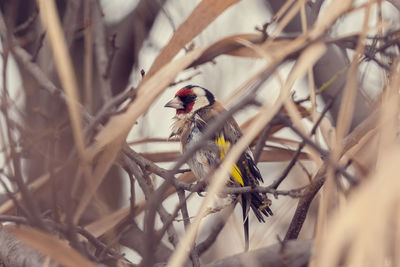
point(291, 253)
point(14, 253)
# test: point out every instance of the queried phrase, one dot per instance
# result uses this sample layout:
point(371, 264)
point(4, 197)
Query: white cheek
point(200, 103)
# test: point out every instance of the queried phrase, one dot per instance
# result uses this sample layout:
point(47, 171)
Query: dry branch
point(131, 32)
point(291, 253)
point(190, 28)
point(15, 253)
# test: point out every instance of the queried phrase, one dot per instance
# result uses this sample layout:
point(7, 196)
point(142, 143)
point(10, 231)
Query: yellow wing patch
point(224, 146)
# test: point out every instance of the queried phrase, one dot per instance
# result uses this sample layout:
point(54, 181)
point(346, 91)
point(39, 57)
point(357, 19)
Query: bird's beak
point(175, 103)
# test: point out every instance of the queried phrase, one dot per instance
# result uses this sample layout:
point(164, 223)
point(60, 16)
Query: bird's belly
point(204, 159)
point(200, 165)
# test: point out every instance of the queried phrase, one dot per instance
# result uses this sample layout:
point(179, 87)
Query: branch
point(27, 197)
point(295, 193)
point(395, 3)
point(261, 142)
point(102, 59)
point(303, 206)
point(300, 147)
point(14, 253)
point(64, 229)
point(325, 154)
point(216, 228)
point(133, 238)
point(194, 256)
point(130, 35)
point(292, 253)
point(143, 183)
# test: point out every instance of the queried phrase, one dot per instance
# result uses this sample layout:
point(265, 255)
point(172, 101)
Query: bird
point(196, 107)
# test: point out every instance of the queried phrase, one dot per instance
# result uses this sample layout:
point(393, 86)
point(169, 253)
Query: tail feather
point(245, 223)
point(259, 207)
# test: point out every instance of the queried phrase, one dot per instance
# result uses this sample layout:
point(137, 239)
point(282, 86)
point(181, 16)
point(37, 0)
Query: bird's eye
point(188, 98)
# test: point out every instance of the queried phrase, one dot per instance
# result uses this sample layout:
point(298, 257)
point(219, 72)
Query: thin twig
point(171, 219)
point(294, 193)
point(325, 154)
point(14, 199)
point(261, 142)
point(295, 157)
point(38, 46)
point(105, 111)
point(186, 222)
point(26, 24)
point(138, 173)
point(111, 56)
point(30, 202)
point(132, 191)
point(215, 230)
point(100, 50)
point(184, 80)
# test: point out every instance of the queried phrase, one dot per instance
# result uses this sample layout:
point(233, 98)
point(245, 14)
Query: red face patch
point(187, 109)
point(184, 92)
point(187, 97)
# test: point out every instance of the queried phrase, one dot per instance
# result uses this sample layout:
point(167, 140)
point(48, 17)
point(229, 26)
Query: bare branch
point(303, 206)
point(291, 164)
point(292, 253)
point(186, 221)
point(216, 228)
point(100, 49)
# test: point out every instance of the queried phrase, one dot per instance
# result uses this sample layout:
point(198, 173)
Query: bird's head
point(190, 99)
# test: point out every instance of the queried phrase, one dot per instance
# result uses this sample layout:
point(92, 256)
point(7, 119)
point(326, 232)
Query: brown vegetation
point(66, 158)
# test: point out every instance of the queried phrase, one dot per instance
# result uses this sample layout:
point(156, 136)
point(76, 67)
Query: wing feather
point(224, 146)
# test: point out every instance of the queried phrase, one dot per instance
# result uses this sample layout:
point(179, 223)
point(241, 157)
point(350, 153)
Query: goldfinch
point(195, 108)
